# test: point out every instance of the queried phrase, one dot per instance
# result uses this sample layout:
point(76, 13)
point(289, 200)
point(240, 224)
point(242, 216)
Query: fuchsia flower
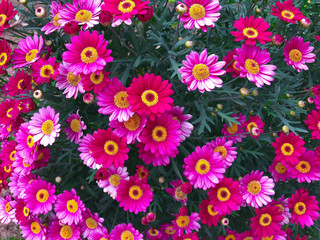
point(22, 213)
point(202, 71)
point(185, 127)
point(91, 223)
point(231, 63)
point(313, 123)
point(86, 154)
point(279, 171)
point(96, 81)
point(33, 229)
point(59, 231)
point(282, 203)
point(297, 53)
point(201, 14)
point(53, 25)
point(167, 230)
point(7, 13)
point(185, 223)
point(74, 131)
point(176, 191)
point(20, 166)
point(8, 111)
point(235, 128)
point(287, 12)
point(230, 235)
point(43, 70)
point(187, 236)
point(5, 54)
point(19, 83)
point(7, 153)
point(154, 234)
point(102, 235)
point(124, 231)
point(207, 214)
point(247, 235)
point(7, 210)
point(254, 125)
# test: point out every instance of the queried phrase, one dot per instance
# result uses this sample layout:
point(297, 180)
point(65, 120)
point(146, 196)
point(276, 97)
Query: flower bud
point(40, 12)
point(255, 92)
point(305, 22)
point(151, 216)
point(255, 131)
point(275, 134)
point(48, 43)
point(144, 221)
point(37, 94)
point(288, 95)
point(277, 40)
point(147, 16)
point(23, 1)
point(220, 106)
point(181, 8)
point(225, 221)
point(258, 10)
point(58, 179)
point(189, 44)
point(183, 211)
point(82, 188)
point(161, 179)
point(292, 113)
point(88, 98)
point(309, 2)
point(172, 1)
point(301, 104)
point(315, 90)
point(186, 188)
point(285, 129)
point(310, 100)
point(213, 114)
point(71, 28)
point(244, 91)
point(105, 18)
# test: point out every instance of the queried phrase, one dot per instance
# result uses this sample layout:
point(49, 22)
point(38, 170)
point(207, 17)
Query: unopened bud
point(292, 113)
point(151, 216)
point(310, 100)
point(48, 43)
point(161, 179)
point(305, 22)
point(88, 98)
point(225, 221)
point(40, 12)
point(285, 129)
point(58, 179)
point(71, 28)
point(277, 40)
point(37, 94)
point(258, 10)
point(144, 221)
point(301, 104)
point(105, 18)
point(181, 8)
point(189, 44)
point(220, 106)
point(255, 92)
point(244, 91)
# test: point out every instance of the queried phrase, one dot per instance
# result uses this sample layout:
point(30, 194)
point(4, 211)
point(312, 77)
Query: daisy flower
point(142, 173)
point(7, 13)
point(207, 214)
point(289, 148)
point(7, 209)
point(313, 123)
point(202, 71)
point(185, 223)
point(69, 207)
point(5, 55)
point(134, 195)
point(28, 51)
point(70, 83)
point(235, 128)
point(13, 184)
point(87, 53)
point(113, 100)
point(287, 12)
point(124, 10)
point(43, 70)
point(176, 191)
point(20, 166)
point(107, 148)
point(59, 231)
point(44, 126)
point(26, 146)
point(297, 53)
point(230, 235)
point(125, 231)
point(231, 63)
point(282, 203)
point(185, 127)
point(91, 223)
point(204, 168)
point(74, 131)
point(256, 189)
point(247, 235)
point(102, 235)
point(279, 171)
point(167, 230)
point(19, 83)
point(154, 234)
point(252, 30)
point(254, 126)
point(96, 81)
point(53, 25)
point(187, 236)
point(22, 213)
point(33, 229)
point(252, 63)
point(8, 152)
point(8, 111)
point(86, 154)
point(201, 14)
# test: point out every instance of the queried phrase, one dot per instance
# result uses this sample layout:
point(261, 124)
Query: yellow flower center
point(319, 125)
point(3, 19)
point(7, 207)
point(300, 208)
point(281, 208)
point(133, 123)
point(287, 149)
point(83, 16)
point(267, 238)
point(126, 6)
point(120, 100)
point(250, 32)
point(19, 85)
point(40, 157)
point(96, 78)
point(233, 128)
point(252, 66)
point(210, 211)
point(26, 211)
point(265, 219)
point(248, 238)
point(114, 180)
point(73, 80)
point(280, 168)
point(234, 65)
point(72, 206)
point(287, 14)
point(7, 168)
point(3, 58)
point(197, 11)
point(8, 113)
point(169, 230)
point(221, 150)
point(127, 235)
point(75, 125)
point(295, 55)
point(303, 167)
point(35, 227)
point(150, 98)
point(12, 155)
point(153, 232)
point(202, 166)
point(183, 221)
point(31, 55)
point(66, 232)
point(91, 223)
point(104, 238)
point(251, 125)
point(25, 164)
point(254, 187)
point(47, 127)
point(223, 194)
point(230, 237)
point(89, 55)
point(179, 194)
point(46, 71)
point(56, 19)
point(111, 147)
point(42, 195)
point(135, 192)
point(200, 72)
point(159, 134)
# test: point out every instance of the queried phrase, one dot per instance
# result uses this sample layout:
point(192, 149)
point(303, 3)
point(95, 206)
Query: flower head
point(43, 70)
point(185, 223)
point(33, 229)
point(53, 25)
point(313, 123)
point(59, 231)
point(5, 52)
point(231, 63)
point(7, 210)
point(7, 13)
point(254, 126)
point(19, 83)
point(124, 231)
point(279, 171)
point(91, 223)
point(9, 111)
point(86, 153)
point(176, 192)
point(287, 12)
point(74, 131)
point(185, 127)
point(207, 213)
point(235, 129)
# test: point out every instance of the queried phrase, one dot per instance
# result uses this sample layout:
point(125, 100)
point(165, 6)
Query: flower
point(202, 71)
point(201, 14)
point(7, 13)
point(185, 223)
point(176, 191)
point(19, 83)
point(8, 111)
point(20, 166)
point(28, 51)
point(235, 128)
point(297, 53)
point(304, 208)
point(96, 81)
point(247, 235)
point(287, 12)
point(7, 210)
point(86, 154)
point(254, 126)
point(53, 25)
point(91, 223)
point(105, 18)
point(279, 171)
point(33, 229)
point(313, 123)
point(230, 235)
point(69, 207)
point(134, 195)
point(207, 214)
point(187, 236)
point(146, 17)
point(107, 148)
point(231, 63)
point(71, 28)
point(5, 54)
point(7, 154)
point(282, 203)
point(252, 30)
point(44, 126)
point(277, 40)
point(102, 235)
point(87, 53)
point(150, 95)
point(74, 131)
point(256, 189)
point(124, 231)
point(153, 234)
point(43, 70)
point(185, 127)
point(289, 148)
point(167, 230)
point(59, 231)
point(252, 63)
point(204, 168)
point(22, 212)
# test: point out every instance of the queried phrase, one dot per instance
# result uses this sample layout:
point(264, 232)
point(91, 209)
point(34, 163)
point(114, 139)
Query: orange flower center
point(197, 11)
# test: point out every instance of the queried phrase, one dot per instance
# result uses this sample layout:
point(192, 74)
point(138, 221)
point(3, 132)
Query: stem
point(115, 218)
point(177, 34)
point(232, 81)
point(251, 8)
point(177, 170)
point(122, 42)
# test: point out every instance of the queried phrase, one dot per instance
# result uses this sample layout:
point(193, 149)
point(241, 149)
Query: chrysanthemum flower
point(102, 235)
point(59, 231)
point(7, 153)
point(230, 62)
point(19, 83)
point(247, 235)
point(289, 148)
point(22, 213)
point(154, 234)
point(84, 12)
point(279, 171)
point(207, 214)
point(124, 10)
point(201, 14)
point(18, 183)
point(167, 230)
point(86, 154)
point(107, 148)
point(225, 196)
point(40, 196)
point(229, 235)
point(235, 128)
point(124, 231)
point(113, 100)
point(252, 30)
point(282, 203)
point(252, 63)
point(187, 236)
point(150, 95)
point(254, 126)
point(185, 223)
point(202, 71)
point(20, 166)
point(71, 84)
point(91, 223)
point(53, 25)
point(8, 111)
point(26, 146)
point(5, 52)
point(204, 168)
point(176, 191)
point(69, 207)
point(43, 70)
point(134, 195)
point(7, 210)
point(297, 53)
point(44, 126)
point(96, 81)
point(287, 12)
point(267, 222)
point(279, 235)
point(256, 189)
point(33, 229)
point(28, 51)
point(185, 127)
point(74, 131)
point(87, 53)
point(7, 13)
point(313, 123)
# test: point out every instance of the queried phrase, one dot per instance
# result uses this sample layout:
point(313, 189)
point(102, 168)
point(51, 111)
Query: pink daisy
point(201, 14)
point(282, 203)
point(252, 30)
point(185, 223)
point(256, 189)
point(204, 168)
point(154, 234)
point(124, 231)
point(134, 195)
point(207, 214)
point(86, 154)
point(7, 13)
point(102, 235)
point(69, 207)
point(231, 63)
point(235, 129)
point(44, 126)
point(19, 83)
point(286, 12)
point(229, 235)
point(202, 71)
point(28, 51)
point(53, 25)
point(9, 111)
point(176, 191)
point(59, 231)
point(252, 63)
point(113, 100)
point(185, 127)
point(313, 123)
point(91, 223)
point(247, 235)
point(33, 229)
point(297, 53)
point(187, 236)
point(280, 235)
point(7, 209)
point(43, 70)
point(254, 126)
point(167, 230)
point(5, 55)
point(70, 83)
point(20, 166)
point(279, 171)
point(22, 213)
point(74, 131)
point(7, 153)
point(87, 53)
point(16, 180)
point(96, 81)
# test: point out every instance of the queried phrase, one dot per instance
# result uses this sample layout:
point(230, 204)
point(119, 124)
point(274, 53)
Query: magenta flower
point(185, 127)
point(43, 70)
point(91, 223)
point(176, 191)
point(7, 210)
point(59, 231)
point(235, 129)
point(313, 123)
point(74, 131)
point(33, 229)
point(185, 223)
point(86, 154)
point(231, 63)
point(124, 231)
point(53, 25)
point(279, 171)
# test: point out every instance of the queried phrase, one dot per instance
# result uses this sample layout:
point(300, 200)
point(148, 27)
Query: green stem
point(175, 167)
point(177, 34)
point(115, 218)
point(122, 42)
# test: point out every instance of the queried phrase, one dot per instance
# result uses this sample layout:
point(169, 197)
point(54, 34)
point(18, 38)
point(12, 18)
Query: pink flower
point(33, 229)
point(19, 83)
point(59, 231)
point(185, 223)
point(313, 123)
point(176, 191)
point(254, 126)
point(185, 127)
point(91, 223)
point(235, 129)
point(9, 111)
point(231, 63)
point(43, 70)
point(74, 131)
point(279, 171)
point(26, 146)
point(282, 203)
point(230, 235)
point(126, 232)
point(154, 234)
point(7, 210)
point(86, 154)
point(53, 25)
point(96, 81)
point(287, 12)
point(207, 214)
